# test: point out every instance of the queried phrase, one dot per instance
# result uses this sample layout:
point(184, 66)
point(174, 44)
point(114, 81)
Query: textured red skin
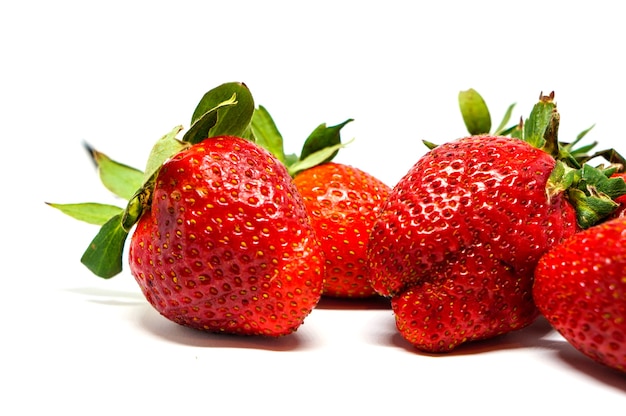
point(463, 231)
point(580, 287)
point(227, 245)
point(343, 202)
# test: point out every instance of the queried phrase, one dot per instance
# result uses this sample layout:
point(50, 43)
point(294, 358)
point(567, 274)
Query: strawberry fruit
point(222, 240)
point(226, 245)
point(342, 202)
point(457, 241)
point(580, 287)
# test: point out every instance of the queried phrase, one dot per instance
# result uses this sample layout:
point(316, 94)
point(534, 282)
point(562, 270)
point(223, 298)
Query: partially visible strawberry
point(223, 242)
point(342, 202)
point(457, 241)
point(580, 287)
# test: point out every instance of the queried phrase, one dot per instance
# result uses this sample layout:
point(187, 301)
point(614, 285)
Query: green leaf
point(505, 120)
point(596, 181)
point(561, 178)
point(291, 159)
point(118, 178)
point(202, 127)
point(513, 131)
point(166, 147)
point(583, 134)
point(321, 138)
point(223, 111)
point(612, 156)
point(248, 134)
point(540, 121)
point(104, 255)
point(592, 208)
point(89, 212)
point(475, 112)
point(266, 133)
point(316, 158)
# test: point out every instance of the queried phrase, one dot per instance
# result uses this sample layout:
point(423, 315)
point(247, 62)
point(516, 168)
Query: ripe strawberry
point(227, 245)
point(457, 241)
point(580, 287)
point(343, 202)
point(223, 241)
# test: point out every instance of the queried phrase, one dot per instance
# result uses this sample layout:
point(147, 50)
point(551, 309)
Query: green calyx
point(227, 110)
point(321, 146)
point(591, 190)
point(224, 110)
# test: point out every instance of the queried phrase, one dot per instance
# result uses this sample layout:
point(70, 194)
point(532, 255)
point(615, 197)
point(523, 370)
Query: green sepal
point(475, 112)
point(291, 159)
point(517, 131)
point(104, 254)
point(166, 147)
point(502, 129)
point(612, 156)
point(266, 133)
point(317, 158)
point(223, 111)
point(561, 178)
point(118, 178)
point(321, 138)
point(591, 209)
point(598, 181)
point(541, 121)
point(510, 131)
point(592, 191)
point(89, 212)
point(579, 153)
point(321, 145)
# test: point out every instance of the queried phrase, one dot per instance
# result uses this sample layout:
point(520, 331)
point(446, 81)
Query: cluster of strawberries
point(480, 237)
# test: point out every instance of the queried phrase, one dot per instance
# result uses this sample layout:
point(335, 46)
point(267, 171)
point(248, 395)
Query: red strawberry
point(342, 202)
point(227, 245)
point(223, 241)
point(580, 287)
point(459, 237)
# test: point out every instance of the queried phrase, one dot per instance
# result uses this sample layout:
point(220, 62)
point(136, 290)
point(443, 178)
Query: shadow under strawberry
point(152, 322)
point(109, 297)
point(584, 365)
point(339, 303)
point(532, 336)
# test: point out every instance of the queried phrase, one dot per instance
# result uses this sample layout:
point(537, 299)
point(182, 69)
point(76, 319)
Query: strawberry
point(457, 240)
point(227, 245)
point(222, 241)
point(580, 288)
point(342, 202)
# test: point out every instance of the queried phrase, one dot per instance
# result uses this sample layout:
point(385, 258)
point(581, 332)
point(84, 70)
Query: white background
point(121, 74)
